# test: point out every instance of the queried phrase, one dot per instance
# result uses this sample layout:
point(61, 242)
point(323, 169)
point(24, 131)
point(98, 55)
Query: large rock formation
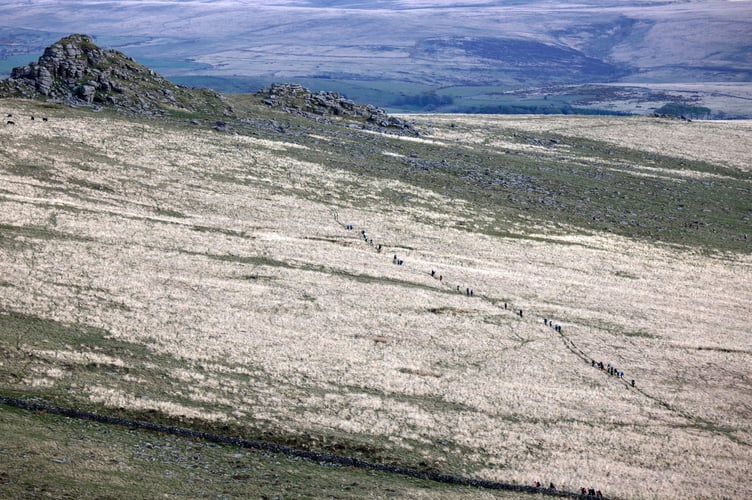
point(76, 71)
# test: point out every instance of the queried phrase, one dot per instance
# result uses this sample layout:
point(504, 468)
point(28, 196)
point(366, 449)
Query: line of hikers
point(440, 277)
point(397, 261)
point(591, 492)
point(611, 370)
point(555, 326)
point(469, 292)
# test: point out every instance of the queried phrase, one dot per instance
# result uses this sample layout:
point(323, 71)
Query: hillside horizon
point(534, 56)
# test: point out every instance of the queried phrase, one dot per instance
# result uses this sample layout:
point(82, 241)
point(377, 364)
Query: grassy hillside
point(204, 276)
point(59, 457)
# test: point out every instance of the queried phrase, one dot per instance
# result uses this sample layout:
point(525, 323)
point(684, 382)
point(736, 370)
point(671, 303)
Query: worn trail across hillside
point(445, 282)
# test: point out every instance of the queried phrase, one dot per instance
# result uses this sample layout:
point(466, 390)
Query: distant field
point(381, 52)
point(160, 270)
point(725, 101)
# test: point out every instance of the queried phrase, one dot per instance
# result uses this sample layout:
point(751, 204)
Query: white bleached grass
point(233, 263)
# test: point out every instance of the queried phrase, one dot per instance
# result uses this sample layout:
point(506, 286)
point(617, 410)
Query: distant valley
point(558, 305)
point(412, 56)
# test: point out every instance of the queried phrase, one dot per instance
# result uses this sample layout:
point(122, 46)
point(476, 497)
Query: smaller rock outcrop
point(329, 106)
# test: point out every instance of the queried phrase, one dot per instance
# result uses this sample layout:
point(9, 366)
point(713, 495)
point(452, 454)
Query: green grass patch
point(10, 231)
point(35, 171)
point(72, 358)
point(61, 457)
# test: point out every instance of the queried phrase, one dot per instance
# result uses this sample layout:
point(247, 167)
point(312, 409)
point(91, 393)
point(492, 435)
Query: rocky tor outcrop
point(75, 71)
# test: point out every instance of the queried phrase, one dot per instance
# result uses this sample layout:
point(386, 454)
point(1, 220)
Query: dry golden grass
point(211, 248)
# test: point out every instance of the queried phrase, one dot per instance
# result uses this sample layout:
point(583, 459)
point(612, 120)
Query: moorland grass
point(214, 285)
